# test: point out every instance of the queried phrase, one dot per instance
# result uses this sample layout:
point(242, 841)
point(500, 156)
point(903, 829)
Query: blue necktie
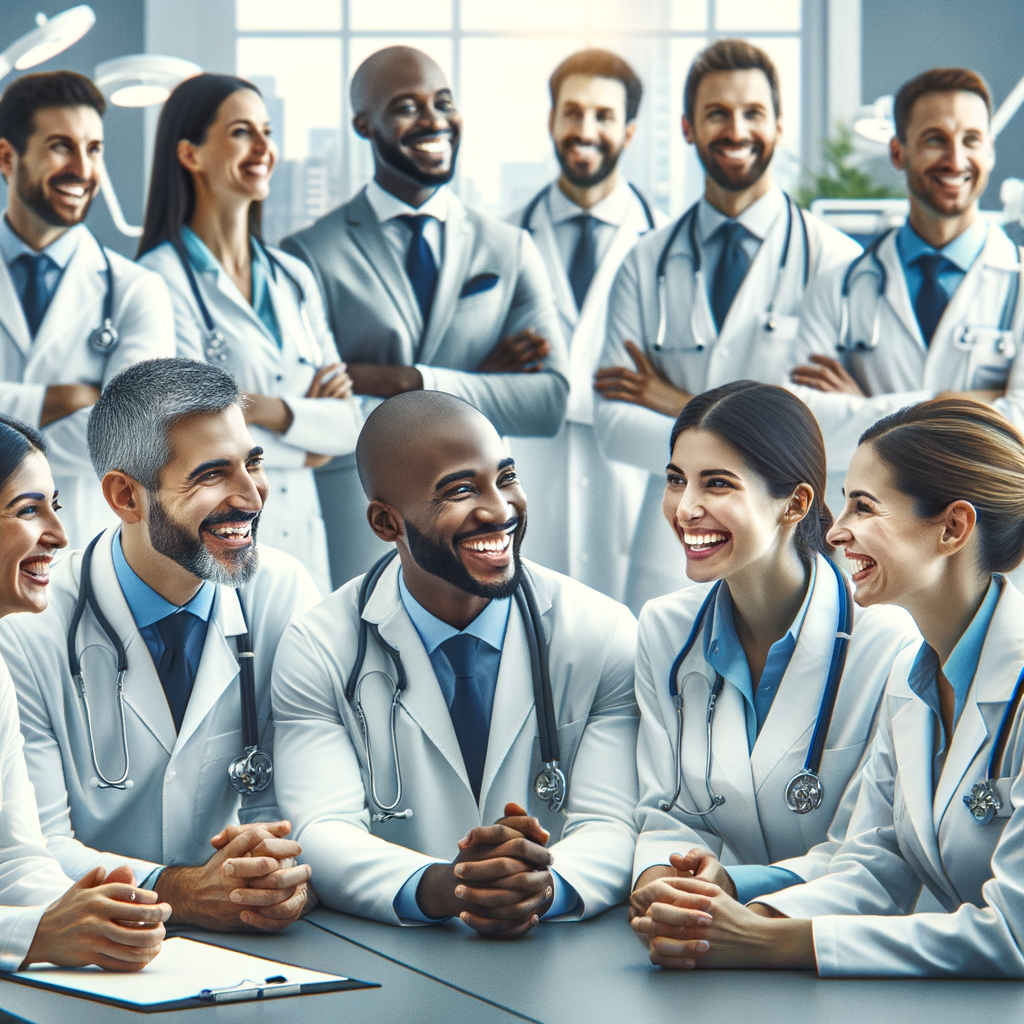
point(175, 672)
point(584, 258)
point(731, 269)
point(36, 296)
point(467, 707)
point(932, 298)
point(420, 265)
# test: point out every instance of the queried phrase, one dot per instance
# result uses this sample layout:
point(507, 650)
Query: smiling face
point(205, 514)
point(237, 157)
point(948, 154)
point(721, 510)
point(589, 129)
point(735, 127)
point(30, 533)
point(55, 179)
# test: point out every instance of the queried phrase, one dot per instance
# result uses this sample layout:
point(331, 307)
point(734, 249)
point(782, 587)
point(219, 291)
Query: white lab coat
point(583, 506)
point(905, 835)
point(968, 351)
point(754, 825)
point(181, 795)
point(291, 520)
point(30, 877)
point(322, 779)
point(744, 349)
point(60, 354)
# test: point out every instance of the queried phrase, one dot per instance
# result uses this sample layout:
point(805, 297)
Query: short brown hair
point(600, 64)
point(42, 91)
point(936, 80)
point(729, 55)
point(956, 449)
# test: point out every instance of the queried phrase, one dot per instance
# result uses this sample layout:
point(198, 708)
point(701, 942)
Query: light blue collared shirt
point(959, 669)
point(961, 254)
point(60, 252)
point(489, 627)
point(202, 259)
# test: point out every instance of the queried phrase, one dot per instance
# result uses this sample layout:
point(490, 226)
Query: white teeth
point(231, 531)
point(701, 541)
point(494, 544)
point(40, 569)
point(442, 145)
point(861, 563)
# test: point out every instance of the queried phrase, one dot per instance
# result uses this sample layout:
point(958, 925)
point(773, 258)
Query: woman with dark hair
point(757, 705)
point(934, 516)
point(253, 309)
point(101, 919)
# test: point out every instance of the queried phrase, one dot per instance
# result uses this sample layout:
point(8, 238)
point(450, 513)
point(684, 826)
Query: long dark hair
point(17, 441)
point(187, 114)
point(778, 438)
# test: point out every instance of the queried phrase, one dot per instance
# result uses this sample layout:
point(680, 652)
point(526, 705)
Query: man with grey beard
point(168, 604)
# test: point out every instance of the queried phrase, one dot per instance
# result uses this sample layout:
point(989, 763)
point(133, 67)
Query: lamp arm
point(116, 213)
point(1008, 108)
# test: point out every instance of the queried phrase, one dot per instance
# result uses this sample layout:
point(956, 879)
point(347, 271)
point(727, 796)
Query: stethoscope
point(805, 791)
point(105, 338)
point(690, 219)
point(531, 206)
point(215, 345)
point(550, 785)
point(1004, 346)
point(250, 772)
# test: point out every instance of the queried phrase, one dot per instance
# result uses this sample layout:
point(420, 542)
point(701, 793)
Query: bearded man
point(129, 749)
point(422, 293)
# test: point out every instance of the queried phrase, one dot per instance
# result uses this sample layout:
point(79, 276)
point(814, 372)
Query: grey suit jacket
point(492, 283)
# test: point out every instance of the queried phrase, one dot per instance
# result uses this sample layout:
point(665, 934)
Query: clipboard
point(187, 974)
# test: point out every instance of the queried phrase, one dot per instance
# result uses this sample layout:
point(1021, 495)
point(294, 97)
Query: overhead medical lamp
point(50, 37)
point(138, 80)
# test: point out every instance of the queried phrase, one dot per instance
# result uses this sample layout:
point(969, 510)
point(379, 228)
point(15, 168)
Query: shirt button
point(279, 377)
point(170, 776)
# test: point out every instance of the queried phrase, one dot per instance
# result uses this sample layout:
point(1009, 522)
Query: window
point(498, 57)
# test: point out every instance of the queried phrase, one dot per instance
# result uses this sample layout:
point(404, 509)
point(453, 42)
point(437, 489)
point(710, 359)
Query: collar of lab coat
point(613, 209)
point(142, 690)
point(757, 218)
point(60, 251)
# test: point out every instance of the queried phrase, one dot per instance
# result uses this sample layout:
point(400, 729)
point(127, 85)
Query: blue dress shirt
point(60, 252)
point(489, 627)
point(961, 254)
point(202, 259)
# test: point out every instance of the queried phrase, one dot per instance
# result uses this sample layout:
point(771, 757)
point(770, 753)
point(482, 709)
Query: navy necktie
point(932, 299)
point(174, 669)
point(731, 269)
point(35, 297)
point(420, 264)
point(584, 258)
point(467, 707)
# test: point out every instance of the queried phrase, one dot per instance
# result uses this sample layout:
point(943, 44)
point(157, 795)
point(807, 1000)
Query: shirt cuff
point(406, 909)
point(565, 897)
point(149, 882)
point(429, 381)
point(753, 880)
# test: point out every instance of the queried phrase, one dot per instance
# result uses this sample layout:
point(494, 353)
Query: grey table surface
point(598, 971)
point(404, 995)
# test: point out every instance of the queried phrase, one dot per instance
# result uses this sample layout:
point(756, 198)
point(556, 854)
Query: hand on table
point(698, 863)
point(827, 374)
point(643, 386)
point(501, 872)
point(97, 921)
point(523, 352)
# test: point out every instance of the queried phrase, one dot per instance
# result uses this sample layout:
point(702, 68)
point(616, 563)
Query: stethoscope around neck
point(805, 790)
point(105, 338)
point(250, 772)
point(690, 219)
point(550, 785)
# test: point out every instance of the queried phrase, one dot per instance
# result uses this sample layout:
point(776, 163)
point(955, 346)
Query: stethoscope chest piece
point(251, 772)
point(216, 348)
point(105, 338)
point(982, 802)
point(550, 786)
point(804, 792)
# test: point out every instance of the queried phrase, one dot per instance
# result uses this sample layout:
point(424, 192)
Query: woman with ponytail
point(744, 496)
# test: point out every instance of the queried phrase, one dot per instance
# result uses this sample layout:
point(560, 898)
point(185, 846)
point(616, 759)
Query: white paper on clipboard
point(180, 972)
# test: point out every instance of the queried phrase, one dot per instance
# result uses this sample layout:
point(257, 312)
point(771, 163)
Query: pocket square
point(480, 283)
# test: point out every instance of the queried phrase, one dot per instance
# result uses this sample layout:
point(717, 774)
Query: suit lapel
point(896, 292)
point(12, 313)
point(458, 250)
point(542, 230)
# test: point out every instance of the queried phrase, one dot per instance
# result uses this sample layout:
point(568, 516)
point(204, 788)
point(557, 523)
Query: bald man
point(422, 293)
point(461, 830)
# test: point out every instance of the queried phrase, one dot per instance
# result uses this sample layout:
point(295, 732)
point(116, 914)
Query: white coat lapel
point(12, 313)
point(218, 665)
point(896, 292)
point(543, 233)
point(459, 237)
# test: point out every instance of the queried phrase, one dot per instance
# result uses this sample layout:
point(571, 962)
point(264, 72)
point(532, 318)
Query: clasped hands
point(500, 883)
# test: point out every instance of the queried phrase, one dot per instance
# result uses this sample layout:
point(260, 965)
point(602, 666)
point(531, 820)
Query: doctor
point(254, 310)
point(937, 305)
point(502, 675)
point(423, 293)
point(584, 506)
point(59, 287)
point(685, 314)
point(175, 596)
point(794, 693)
point(934, 515)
